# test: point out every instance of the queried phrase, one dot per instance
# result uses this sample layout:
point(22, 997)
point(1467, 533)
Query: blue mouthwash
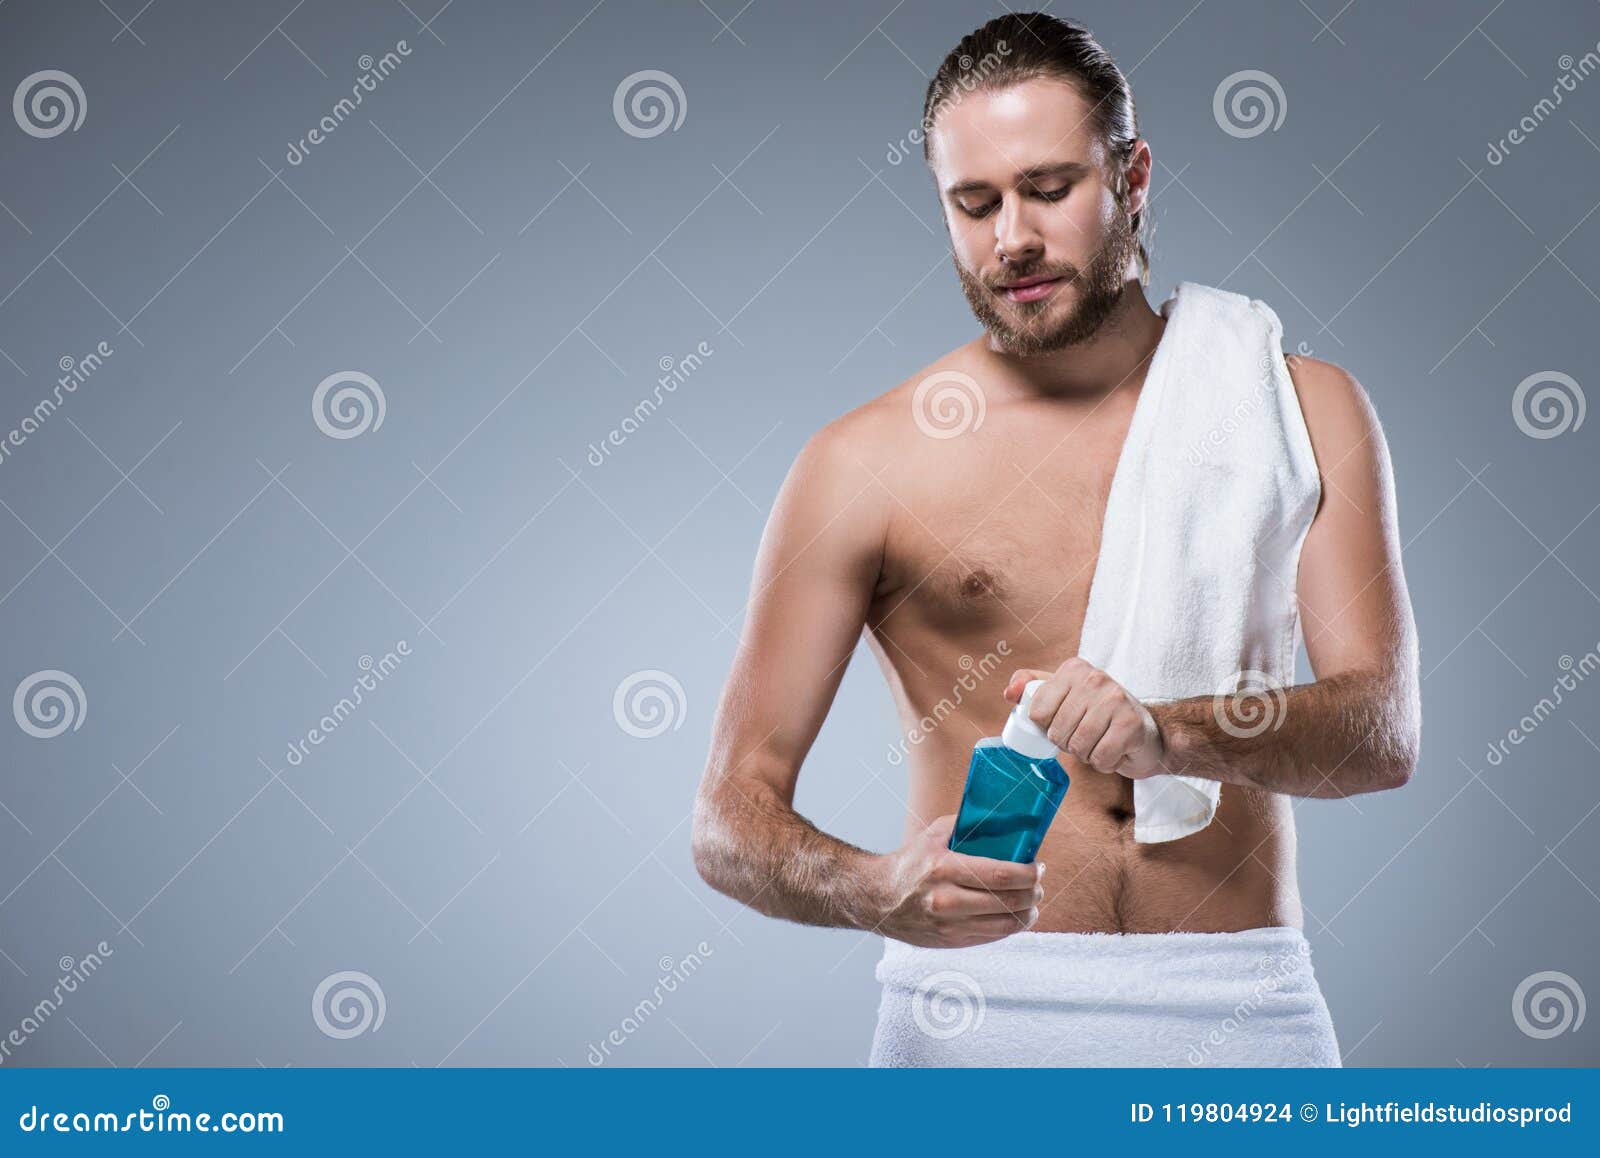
point(1014, 786)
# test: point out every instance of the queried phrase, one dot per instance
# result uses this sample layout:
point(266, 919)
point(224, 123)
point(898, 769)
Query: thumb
point(942, 828)
point(1019, 680)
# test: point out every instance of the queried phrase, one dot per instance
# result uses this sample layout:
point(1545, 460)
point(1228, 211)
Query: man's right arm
point(815, 574)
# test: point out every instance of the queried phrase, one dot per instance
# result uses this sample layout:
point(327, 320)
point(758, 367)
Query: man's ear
point(1136, 176)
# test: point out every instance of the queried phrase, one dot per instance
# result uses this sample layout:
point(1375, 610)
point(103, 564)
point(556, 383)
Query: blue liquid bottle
point(1014, 786)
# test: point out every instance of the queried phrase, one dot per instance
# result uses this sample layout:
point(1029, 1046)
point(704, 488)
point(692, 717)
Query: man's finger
point(1047, 700)
point(983, 872)
point(1019, 680)
point(1112, 750)
point(1069, 715)
point(1088, 734)
point(981, 902)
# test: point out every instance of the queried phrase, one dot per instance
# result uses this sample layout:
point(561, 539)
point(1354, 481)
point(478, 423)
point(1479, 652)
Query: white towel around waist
point(1214, 491)
point(1248, 998)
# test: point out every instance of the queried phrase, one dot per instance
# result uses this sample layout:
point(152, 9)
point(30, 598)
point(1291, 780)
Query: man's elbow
point(1396, 764)
point(1395, 744)
point(708, 844)
point(701, 840)
point(1395, 772)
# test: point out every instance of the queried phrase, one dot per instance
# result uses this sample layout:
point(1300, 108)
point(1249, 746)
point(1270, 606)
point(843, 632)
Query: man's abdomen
point(1236, 873)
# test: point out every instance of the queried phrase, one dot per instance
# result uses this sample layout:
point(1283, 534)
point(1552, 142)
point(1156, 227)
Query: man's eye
point(1055, 194)
point(978, 210)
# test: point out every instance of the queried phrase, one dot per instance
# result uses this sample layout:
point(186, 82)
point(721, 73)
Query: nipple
point(977, 584)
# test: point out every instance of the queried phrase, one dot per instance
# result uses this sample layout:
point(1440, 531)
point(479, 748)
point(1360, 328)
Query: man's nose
point(1016, 239)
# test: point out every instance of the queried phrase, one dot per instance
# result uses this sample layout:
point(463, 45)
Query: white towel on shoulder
point(1216, 486)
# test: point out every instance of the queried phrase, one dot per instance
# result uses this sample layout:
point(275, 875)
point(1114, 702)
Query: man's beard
point(1021, 327)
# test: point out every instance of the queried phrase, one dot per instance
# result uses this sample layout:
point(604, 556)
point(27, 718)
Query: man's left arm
point(1357, 727)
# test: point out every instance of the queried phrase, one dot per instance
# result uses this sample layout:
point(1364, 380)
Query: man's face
point(1027, 194)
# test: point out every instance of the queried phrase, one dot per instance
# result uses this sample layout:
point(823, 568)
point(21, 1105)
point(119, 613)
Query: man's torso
point(989, 555)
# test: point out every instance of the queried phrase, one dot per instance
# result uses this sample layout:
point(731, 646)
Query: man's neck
point(1115, 355)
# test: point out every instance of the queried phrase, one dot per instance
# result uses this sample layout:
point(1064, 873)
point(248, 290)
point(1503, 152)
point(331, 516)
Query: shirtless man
point(940, 547)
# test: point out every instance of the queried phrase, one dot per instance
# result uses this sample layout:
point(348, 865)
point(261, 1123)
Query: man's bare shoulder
point(1347, 441)
point(876, 433)
point(838, 500)
point(1339, 415)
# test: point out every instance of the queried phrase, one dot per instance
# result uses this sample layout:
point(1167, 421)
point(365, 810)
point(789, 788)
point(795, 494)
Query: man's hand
point(942, 899)
point(1093, 718)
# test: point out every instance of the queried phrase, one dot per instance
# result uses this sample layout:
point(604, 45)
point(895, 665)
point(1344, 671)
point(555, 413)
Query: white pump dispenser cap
point(1021, 734)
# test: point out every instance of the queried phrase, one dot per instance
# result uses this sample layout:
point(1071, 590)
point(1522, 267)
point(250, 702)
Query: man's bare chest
point(1005, 549)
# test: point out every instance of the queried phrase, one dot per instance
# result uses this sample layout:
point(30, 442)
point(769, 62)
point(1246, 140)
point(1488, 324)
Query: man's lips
point(1030, 289)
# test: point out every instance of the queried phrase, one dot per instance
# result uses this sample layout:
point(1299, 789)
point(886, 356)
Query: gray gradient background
point(482, 838)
